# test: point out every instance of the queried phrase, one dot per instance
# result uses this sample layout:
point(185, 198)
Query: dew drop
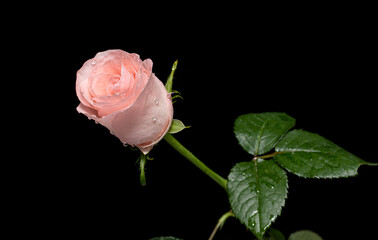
point(93, 62)
point(124, 144)
point(154, 119)
point(156, 101)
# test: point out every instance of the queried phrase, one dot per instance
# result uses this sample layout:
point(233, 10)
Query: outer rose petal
point(145, 122)
point(82, 88)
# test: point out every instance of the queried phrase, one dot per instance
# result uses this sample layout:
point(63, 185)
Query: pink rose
point(118, 90)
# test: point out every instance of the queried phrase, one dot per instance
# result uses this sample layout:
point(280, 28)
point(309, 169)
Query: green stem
point(193, 159)
point(220, 223)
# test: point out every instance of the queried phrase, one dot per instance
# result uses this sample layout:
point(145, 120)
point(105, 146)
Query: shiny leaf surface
point(310, 155)
point(258, 133)
point(257, 192)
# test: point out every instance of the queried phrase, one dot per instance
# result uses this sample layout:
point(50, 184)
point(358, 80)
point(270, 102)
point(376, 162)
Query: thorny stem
point(193, 159)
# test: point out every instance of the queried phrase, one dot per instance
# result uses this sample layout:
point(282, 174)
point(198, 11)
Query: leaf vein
point(259, 138)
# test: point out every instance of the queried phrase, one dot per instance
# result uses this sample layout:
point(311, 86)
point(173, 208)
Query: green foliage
point(257, 192)
point(310, 155)
point(258, 133)
point(304, 235)
point(257, 189)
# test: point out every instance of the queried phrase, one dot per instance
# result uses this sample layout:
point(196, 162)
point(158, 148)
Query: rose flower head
point(119, 91)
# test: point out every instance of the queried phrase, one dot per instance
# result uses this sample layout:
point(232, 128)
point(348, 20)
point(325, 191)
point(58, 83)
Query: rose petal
point(119, 91)
point(109, 104)
point(145, 122)
point(92, 114)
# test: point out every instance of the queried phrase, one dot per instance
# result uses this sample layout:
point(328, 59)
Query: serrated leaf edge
point(355, 170)
point(281, 206)
point(256, 152)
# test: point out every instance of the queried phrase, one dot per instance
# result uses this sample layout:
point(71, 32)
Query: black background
point(318, 67)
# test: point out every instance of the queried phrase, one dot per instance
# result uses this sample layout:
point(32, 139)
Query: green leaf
point(257, 192)
point(258, 133)
point(177, 126)
point(310, 155)
point(304, 235)
point(165, 238)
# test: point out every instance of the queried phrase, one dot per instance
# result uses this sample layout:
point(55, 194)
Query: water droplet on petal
point(154, 119)
point(156, 101)
point(124, 144)
point(93, 62)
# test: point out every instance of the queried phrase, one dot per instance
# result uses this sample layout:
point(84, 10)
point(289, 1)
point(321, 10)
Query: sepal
point(177, 126)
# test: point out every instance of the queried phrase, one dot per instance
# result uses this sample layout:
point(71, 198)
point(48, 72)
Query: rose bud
point(119, 91)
